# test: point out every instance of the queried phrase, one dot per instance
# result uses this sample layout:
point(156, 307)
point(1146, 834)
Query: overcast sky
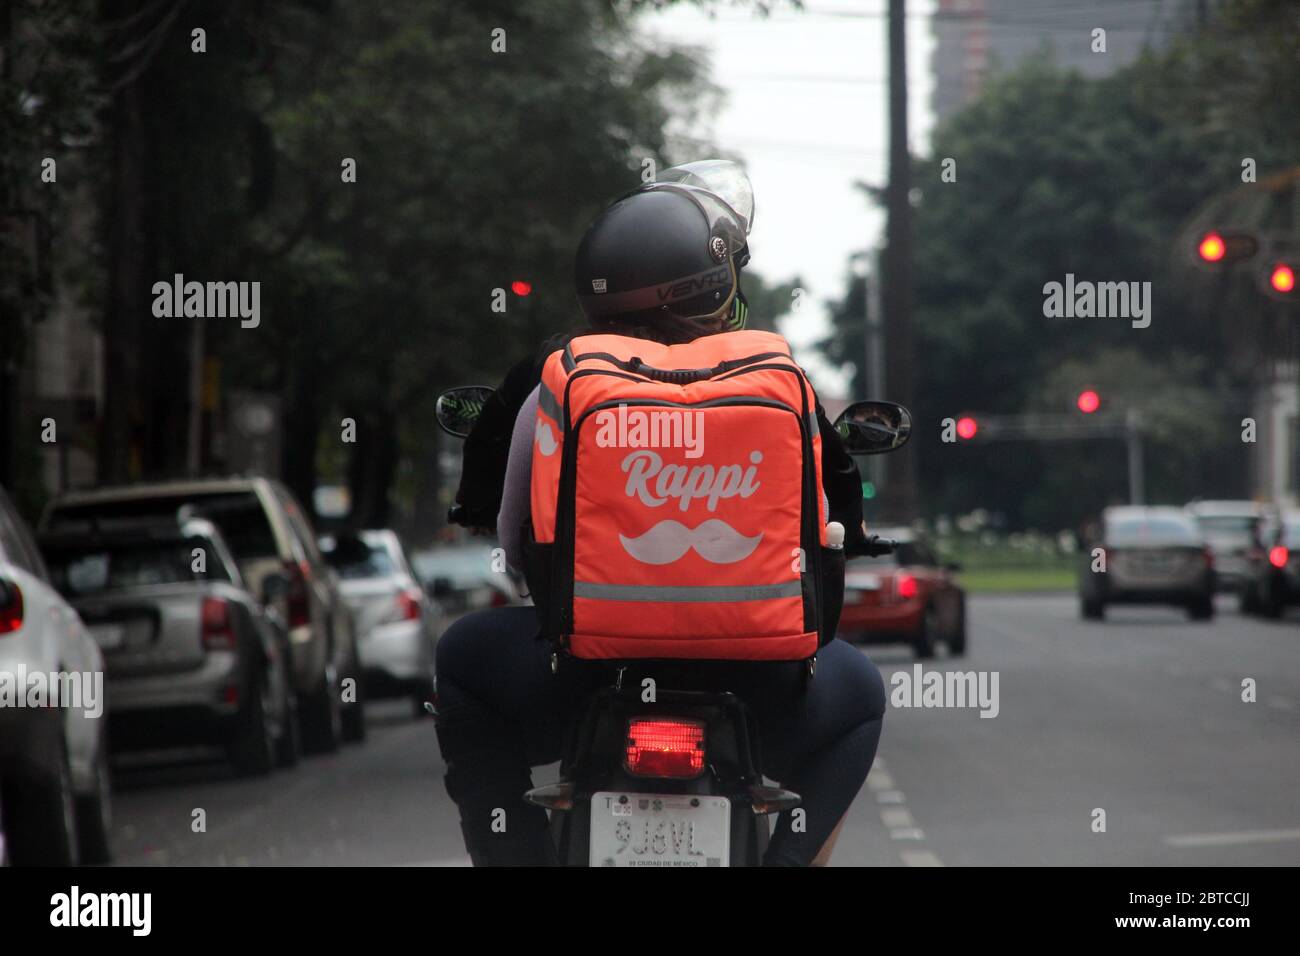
point(806, 109)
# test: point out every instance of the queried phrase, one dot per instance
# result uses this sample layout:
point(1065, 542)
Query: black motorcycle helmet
point(670, 253)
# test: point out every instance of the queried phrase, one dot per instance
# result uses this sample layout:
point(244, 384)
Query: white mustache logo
point(714, 540)
point(545, 440)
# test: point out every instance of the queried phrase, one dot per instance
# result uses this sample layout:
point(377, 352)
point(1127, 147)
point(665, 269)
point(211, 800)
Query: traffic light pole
point(1052, 427)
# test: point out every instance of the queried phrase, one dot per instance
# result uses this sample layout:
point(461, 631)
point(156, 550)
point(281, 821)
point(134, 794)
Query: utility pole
point(901, 467)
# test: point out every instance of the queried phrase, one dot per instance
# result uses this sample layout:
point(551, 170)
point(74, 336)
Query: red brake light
point(299, 607)
point(409, 604)
point(906, 586)
point(1277, 556)
point(665, 747)
point(218, 634)
point(11, 607)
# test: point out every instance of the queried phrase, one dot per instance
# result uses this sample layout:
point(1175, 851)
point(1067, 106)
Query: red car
point(907, 596)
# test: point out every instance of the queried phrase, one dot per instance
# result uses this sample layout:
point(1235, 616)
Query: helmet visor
point(723, 192)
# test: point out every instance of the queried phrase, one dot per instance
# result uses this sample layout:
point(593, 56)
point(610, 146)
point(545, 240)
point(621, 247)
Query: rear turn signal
point(665, 748)
point(1277, 556)
point(11, 607)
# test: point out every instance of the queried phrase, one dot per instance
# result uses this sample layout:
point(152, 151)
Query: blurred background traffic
point(406, 183)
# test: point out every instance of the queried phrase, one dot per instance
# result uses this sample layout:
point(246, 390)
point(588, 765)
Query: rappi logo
point(655, 484)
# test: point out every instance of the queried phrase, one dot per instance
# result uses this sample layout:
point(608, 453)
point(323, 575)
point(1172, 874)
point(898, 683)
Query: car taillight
point(498, 599)
point(906, 586)
point(1277, 556)
point(665, 748)
point(299, 606)
point(11, 607)
point(218, 633)
point(1209, 557)
point(409, 604)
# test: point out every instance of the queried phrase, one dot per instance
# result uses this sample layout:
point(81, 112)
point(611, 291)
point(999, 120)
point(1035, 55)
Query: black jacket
point(487, 449)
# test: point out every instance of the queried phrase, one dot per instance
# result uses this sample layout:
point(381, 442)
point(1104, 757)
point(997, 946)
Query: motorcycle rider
point(500, 709)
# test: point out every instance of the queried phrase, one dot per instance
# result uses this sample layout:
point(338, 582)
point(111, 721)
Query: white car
point(397, 622)
point(1231, 529)
point(54, 776)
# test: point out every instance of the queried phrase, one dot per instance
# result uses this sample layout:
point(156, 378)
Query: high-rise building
point(976, 38)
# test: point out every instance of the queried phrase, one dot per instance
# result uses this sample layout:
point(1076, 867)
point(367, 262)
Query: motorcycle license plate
point(653, 829)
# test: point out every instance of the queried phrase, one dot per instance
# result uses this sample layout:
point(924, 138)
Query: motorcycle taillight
point(665, 747)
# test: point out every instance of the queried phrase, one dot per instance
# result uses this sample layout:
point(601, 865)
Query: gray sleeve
point(516, 497)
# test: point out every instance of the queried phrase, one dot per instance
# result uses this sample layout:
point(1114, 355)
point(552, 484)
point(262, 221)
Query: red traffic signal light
point(521, 288)
point(1212, 247)
point(1282, 278)
point(1215, 248)
point(967, 427)
point(1088, 401)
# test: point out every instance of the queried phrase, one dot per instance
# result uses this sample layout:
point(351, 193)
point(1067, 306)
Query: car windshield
point(239, 515)
point(77, 572)
point(361, 560)
point(1148, 530)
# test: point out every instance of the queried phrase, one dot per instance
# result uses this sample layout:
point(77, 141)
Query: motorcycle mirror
point(870, 428)
point(458, 408)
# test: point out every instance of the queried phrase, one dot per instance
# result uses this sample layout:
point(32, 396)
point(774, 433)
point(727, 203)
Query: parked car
point(1273, 581)
point(1149, 555)
point(276, 552)
point(396, 620)
point(55, 801)
point(907, 596)
point(467, 577)
point(191, 655)
point(1231, 529)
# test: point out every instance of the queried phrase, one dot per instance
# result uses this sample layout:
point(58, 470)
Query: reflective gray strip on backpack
point(549, 404)
point(685, 595)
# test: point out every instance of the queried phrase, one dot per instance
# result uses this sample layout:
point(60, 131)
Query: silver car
point(1231, 528)
point(1147, 555)
point(190, 655)
point(272, 540)
point(397, 623)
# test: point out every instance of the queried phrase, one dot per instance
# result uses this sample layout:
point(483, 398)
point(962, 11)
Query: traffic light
point(967, 427)
point(1281, 278)
point(1217, 248)
point(520, 287)
point(1088, 401)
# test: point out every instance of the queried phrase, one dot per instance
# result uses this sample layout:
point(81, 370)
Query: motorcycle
point(673, 778)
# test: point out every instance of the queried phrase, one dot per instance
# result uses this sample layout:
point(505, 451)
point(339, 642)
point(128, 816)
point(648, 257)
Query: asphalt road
point(1140, 716)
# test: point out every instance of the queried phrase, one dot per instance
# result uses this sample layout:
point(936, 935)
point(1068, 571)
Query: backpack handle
point(673, 376)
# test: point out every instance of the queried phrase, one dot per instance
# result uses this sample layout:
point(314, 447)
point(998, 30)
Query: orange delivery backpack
point(677, 504)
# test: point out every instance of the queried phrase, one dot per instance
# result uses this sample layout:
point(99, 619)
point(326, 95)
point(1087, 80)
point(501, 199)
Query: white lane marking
point(909, 833)
point(890, 796)
point(896, 817)
point(443, 861)
point(879, 780)
point(1232, 839)
point(919, 858)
